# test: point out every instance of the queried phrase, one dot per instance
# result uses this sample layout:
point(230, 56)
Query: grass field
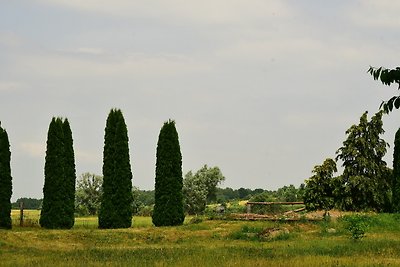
point(208, 243)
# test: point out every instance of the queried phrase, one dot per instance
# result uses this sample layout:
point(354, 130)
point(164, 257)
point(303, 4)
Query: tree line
point(116, 201)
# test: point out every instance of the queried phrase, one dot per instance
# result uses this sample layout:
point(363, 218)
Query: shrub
point(356, 225)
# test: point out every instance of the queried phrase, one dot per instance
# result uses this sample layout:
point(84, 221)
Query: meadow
point(202, 242)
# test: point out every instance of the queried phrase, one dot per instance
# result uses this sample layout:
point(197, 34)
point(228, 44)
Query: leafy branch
point(387, 77)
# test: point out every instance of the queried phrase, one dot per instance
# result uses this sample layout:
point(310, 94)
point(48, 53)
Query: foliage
point(365, 183)
point(70, 174)
point(318, 192)
point(288, 193)
point(211, 177)
point(5, 180)
point(387, 77)
point(396, 174)
point(29, 203)
point(194, 193)
point(88, 194)
point(143, 201)
point(356, 225)
point(58, 191)
point(244, 193)
point(200, 188)
point(116, 201)
point(168, 208)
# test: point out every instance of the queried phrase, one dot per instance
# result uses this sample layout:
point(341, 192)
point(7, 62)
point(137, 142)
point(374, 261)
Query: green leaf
point(397, 102)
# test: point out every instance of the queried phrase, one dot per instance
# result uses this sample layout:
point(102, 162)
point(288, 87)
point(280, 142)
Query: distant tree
point(387, 77)
point(116, 202)
point(318, 193)
point(137, 203)
point(226, 194)
point(143, 201)
point(168, 208)
point(88, 194)
point(287, 193)
point(244, 193)
point(396, 173)
point(59, 173)
point(201, 188)
point(29, 203)
point(365, 183)
point(211, 177)
point(194, 193)
point(5, 180)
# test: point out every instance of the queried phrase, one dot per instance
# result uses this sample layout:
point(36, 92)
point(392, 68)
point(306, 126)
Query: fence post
point(21, 213)
point(248, 208)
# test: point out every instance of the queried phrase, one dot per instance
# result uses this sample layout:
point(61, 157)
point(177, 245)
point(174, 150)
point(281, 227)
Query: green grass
point(207, 243)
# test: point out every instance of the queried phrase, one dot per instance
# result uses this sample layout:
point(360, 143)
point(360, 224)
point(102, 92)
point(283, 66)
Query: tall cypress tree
point(58, 191)
point(396, 173)
point(53, 196)
point(5, 180)
point(168, 209)
point(116, 203)
point(70, 175)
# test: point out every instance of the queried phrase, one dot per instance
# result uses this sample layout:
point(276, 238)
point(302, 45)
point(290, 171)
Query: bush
point(356, 225)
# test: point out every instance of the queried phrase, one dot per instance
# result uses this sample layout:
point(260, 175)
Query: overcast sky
point(263, 89)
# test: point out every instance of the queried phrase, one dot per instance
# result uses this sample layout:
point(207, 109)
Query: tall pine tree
point(168, 209)
point(5, 180)
point(58, 191)
point(396, 173)
point(116, 203)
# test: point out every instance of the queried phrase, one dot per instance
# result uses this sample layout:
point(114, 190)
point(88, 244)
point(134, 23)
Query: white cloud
point(10, 85)
point(207, 11)
point(87, 157)
point(36, 150)
point(10, 39)
point(66, 65)
point(84, 51)
point(374, 14)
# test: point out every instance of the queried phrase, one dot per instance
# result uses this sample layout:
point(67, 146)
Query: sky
point(263, 89)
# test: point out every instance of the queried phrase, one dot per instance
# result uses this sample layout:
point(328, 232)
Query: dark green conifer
point(5, 180)
point(116, 203)
point(168, 209)
point(59, 171)
point(396, 173)
point(70, 175)
point(53, 192)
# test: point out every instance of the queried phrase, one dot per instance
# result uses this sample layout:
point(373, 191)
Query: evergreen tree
point(5, 180)
point(168, 208)
point(116, 202)
point(70, 175)
point(59, 185)
point(365, 183)
point(396, 173)
point(52, 213)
